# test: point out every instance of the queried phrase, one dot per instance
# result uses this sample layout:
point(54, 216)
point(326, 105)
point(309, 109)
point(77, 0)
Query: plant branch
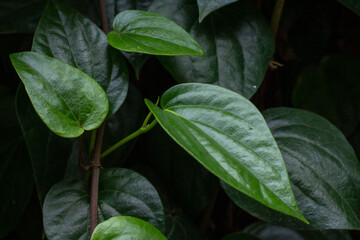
point(276, 16)
point(95, 169)
point(138, 132)
point(104, 22)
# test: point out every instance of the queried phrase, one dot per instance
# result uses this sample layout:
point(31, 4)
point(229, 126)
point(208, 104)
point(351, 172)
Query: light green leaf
point(144, 32)
point(65, 34)
point(208, 6)
point(323, 169)
point(126, 228)
point(66, 99)
point(228, 135)
point(66, 209)
point(237, 42)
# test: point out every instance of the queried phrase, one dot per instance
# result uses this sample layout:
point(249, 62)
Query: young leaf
point(126, 228)
point(323, 168)
point(121, 192)
point(144, 32)
point(65, 34)
point(237, 42)
point(66, 99)
point(137, 60)
point(208, 6)
point(228, 136)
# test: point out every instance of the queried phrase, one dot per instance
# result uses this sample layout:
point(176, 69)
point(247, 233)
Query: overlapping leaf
point(237, 42)
point(121, 192)
point(144, 32)
point(127, 228)
point(66, 99)
point(228, 135)
point(65, 34)
point(323, 169)
point(208, 6)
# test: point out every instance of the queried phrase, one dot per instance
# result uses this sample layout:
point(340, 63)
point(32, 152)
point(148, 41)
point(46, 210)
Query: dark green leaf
point(16, 181)
point(144, 32)
point(208, 6)
point(113, 7)
point(65, 34)
point(237, 41)
point(180, 227)
point(66, 99)
point(353, 5)
point(228, 136)
point(126, 228)
point(22, 16)
point(240, 236)
point(121, 192)
point(188, 182)
point(323, 168)
point(48, 152)
point(271, 232)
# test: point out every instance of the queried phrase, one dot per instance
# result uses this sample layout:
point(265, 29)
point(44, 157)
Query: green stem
point(138, 132)
point(276, 16)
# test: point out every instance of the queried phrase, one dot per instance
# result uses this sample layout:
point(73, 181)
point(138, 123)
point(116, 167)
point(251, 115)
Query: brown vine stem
point(95, 156)
point(95, 170)
point(276, 16)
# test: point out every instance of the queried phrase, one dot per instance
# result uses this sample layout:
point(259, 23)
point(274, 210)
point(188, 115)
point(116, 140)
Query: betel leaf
point(323, 169)
point(353, 5)
point(113, 7)
point(121, 192)
point(228, 136)
point(16, 181)
point(237, 42)
point(126, 228)
point(144, 32)
point(208, 6)
point(66, 99)
point(240, 236)
point(65, 34)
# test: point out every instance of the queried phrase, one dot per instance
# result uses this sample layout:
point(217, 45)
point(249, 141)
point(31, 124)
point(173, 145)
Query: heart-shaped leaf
point(208, 6)
point(65, 34)
point(353, 5)
point(126, 228)
point(323, 168)
point(16, 181)
point(121, 192)
point(237, 42)
point(113, 7)
point(228, 136)
point(66, 99)
point(144, 32)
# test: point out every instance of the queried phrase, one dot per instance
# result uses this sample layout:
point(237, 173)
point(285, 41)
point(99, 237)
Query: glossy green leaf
point(126, 228)
point(186, 180)
point(237, 42)
point(353, 5)
point(121, 192)
point(65, 34)
point(323, 169)
point(113, 7)
point(16, 181)
point(144, 32)
point(66, 99)
point(228, 136)
point(331, 89)
point(239, 236)
point(48, 152)
point(30, 13)
point(267, 231)
point(208, 6)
